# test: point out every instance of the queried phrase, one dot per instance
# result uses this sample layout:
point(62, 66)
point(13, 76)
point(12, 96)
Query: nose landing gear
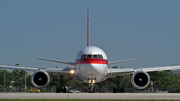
point(62, 88)
point(91, 89)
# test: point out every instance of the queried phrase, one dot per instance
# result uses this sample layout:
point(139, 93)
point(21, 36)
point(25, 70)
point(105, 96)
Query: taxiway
point(89, 95)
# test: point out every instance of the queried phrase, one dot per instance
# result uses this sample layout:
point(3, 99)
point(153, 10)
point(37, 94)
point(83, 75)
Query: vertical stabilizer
point(88, 28)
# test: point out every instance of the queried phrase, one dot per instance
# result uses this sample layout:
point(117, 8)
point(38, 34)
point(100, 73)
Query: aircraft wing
point(58, 61)
point(19, 67)
point(65, 71)
point(151, 69)
point(119, 72)
point(124, 71)
point(120, 61)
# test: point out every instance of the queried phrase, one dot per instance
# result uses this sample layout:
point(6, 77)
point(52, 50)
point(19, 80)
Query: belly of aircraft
point(92, 71)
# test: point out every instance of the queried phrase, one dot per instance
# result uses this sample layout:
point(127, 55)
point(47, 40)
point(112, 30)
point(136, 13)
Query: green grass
point(78, 100)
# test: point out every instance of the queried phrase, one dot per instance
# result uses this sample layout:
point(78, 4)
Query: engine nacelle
point(140, 79)
point(40, 79)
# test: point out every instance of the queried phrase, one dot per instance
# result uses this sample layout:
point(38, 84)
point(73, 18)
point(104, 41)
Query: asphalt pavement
point(89, 95)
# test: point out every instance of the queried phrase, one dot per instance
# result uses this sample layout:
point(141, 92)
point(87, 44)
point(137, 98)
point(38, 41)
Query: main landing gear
point(91, 89)
point(62, 88)
point(117, 89)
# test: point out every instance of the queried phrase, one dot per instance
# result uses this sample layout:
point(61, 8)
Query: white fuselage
point(91, 64)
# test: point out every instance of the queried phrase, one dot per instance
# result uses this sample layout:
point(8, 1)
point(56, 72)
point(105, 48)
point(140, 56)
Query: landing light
point(72, 71)
point(89, 81)
point(93, 81)
point(109, 72)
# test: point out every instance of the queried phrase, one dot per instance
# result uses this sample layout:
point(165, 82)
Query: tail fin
point(88, 28)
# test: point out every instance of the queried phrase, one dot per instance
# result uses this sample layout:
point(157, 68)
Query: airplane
point(90, 66)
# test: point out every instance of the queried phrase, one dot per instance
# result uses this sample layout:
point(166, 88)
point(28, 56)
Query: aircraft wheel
point(57, 90)
point(115, 90)
point(121, 90)
point(93, 90)
point(64, 90)
point(89, 90)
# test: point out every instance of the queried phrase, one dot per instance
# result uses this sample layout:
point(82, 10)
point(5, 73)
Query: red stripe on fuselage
point(91, 61)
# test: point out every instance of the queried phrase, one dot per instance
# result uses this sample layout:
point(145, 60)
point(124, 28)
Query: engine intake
point(40, 79)
point(140, 79)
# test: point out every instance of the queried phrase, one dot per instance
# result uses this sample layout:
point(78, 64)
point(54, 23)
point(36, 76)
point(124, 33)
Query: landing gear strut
point(91, 89)
point(117, 89)
point(62, 88)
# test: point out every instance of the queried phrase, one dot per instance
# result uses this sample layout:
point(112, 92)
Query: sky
point(56, 29)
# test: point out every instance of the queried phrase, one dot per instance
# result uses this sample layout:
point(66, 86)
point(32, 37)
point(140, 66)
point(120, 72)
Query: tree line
point(15, 82)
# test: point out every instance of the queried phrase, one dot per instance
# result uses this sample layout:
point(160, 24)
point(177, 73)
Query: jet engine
point(140, 79)
point(40, 79)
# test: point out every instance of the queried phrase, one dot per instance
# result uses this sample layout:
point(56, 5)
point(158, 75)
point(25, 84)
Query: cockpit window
point(95, 56)
point(100, 56)
point(91, 56)
point(83, 56)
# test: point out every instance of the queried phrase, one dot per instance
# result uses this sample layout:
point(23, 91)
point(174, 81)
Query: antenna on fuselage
point(88, 28)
